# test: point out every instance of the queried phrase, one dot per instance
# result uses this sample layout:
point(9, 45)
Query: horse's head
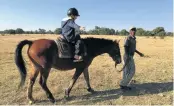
point(98, 46)
point(115, 52)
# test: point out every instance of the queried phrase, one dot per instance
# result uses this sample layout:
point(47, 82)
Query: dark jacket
point(69, 28)
point(130, 45)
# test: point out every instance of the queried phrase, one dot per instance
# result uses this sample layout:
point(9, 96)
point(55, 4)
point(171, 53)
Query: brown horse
point(43, 55)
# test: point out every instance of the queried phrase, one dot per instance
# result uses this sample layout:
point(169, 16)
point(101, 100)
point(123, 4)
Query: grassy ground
point(153, 81)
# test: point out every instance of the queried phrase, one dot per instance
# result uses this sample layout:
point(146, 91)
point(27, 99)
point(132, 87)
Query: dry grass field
point(153, 81)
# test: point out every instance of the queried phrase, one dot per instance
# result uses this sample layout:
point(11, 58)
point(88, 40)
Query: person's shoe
point(125, 88)
point(77, 58)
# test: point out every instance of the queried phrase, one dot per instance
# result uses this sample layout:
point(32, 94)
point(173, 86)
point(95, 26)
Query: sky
point(116, 14)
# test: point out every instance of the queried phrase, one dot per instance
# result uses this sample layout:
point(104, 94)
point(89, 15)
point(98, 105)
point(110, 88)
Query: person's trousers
point(128, 71)
point(79, 46)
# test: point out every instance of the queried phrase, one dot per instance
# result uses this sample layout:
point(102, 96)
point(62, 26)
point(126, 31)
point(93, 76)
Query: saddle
point(66, 50)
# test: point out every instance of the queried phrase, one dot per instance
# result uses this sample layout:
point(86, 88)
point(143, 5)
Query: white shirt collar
point(65, 19)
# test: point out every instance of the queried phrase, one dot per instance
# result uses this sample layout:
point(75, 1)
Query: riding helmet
point(73, 11)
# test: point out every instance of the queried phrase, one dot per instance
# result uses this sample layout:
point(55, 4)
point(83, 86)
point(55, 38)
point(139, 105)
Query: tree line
point(158, 31)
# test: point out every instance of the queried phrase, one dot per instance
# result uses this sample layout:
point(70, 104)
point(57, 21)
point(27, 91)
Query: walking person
point(130, 49)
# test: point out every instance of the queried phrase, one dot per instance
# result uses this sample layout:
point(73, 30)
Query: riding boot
point(78, 55)
point(77, 58)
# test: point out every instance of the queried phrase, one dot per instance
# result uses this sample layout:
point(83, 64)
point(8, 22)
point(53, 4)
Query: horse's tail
point(20, 62)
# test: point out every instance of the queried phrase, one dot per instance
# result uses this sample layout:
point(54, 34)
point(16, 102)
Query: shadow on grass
point(138, 89)
point(99, 96)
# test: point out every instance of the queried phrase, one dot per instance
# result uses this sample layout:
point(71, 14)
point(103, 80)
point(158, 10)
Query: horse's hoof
point(55, 103)
point(52, 100)
point(31, 102)
point(66, 94)
point(90, 90)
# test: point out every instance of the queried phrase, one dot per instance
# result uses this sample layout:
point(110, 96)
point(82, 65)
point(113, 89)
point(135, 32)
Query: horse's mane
point(97, 43)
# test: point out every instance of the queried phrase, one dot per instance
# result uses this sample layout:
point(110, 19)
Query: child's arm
point(74, 25)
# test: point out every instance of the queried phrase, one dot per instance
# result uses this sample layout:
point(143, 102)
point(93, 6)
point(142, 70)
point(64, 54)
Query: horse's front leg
point(86, 76)
point(74, 79)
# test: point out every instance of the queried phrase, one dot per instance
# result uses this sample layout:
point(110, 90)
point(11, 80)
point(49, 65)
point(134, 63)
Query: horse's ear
point(117, 41)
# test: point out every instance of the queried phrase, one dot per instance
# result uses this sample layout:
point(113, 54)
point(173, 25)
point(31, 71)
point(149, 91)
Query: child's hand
point(82, 28)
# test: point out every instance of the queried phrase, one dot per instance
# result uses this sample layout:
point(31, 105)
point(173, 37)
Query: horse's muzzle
point(118, 61)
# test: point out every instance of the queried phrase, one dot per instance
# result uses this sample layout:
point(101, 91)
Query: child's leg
point(78, 48)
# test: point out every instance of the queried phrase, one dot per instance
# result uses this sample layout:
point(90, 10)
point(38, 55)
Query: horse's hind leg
point(42, 81)
point(86, 76)
point(75, 77)
point(33, 75)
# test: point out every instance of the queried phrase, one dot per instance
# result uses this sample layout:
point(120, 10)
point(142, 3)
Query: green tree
point(93, 32)
point(140, 32)
point(36, 32)
point(97, 27)
point(19, 31)
point(159, 31)
point(124, 32)
point(50, 32)
point(84, 32)
point(10, 31)
point(31, 32)
point(169, 34)
point(105, 31)
point(1, 32)
point(57, 31)
point(148, 33)
point(27, 32)
point(117, 32)
point(42, 31)
point(112, 31)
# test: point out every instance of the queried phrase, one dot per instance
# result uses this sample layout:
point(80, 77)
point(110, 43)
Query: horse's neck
point(97, 46)
point(99, 51)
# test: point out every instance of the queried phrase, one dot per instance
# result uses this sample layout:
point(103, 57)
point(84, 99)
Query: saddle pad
point(65, 50)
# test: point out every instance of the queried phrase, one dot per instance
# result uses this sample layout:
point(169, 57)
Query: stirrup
point(79, 58)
